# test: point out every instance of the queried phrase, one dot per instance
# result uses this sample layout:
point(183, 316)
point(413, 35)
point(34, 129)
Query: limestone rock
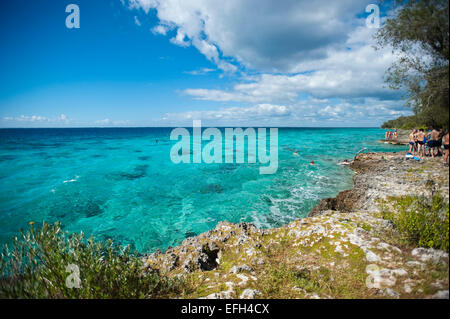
point(249, 294)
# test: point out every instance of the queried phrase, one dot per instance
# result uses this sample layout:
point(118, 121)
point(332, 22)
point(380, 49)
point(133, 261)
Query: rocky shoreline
point(343, 249)
point(402, 139)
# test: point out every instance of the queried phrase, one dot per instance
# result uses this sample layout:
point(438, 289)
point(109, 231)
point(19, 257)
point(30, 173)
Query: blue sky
point(165, 63)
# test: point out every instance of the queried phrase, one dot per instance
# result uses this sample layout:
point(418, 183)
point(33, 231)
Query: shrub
point(37, 266)
point(421, 221)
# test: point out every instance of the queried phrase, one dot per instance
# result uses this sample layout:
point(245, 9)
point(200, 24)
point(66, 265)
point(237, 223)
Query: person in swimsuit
point(433, 142)
point(426, 141)
point(439, 142)
point(416, 140)
point(445, 139)
point(421, 140)
point(412, 143)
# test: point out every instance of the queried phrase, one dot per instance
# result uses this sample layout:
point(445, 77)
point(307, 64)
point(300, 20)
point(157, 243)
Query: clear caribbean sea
point(120, 183)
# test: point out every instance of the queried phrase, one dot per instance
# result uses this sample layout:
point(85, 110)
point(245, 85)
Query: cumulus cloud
point(315, 47)
point(260, 34)
point(356, 71)
point(314, 58)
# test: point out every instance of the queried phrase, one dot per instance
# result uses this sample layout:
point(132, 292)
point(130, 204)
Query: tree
point(419, 35)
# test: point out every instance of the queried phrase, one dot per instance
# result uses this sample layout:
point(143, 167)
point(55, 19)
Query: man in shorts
point(412, 142)
point(421, 143)
point(433, 142)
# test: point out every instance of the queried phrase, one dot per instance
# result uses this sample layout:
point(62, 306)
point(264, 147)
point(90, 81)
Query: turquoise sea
point(120, 183)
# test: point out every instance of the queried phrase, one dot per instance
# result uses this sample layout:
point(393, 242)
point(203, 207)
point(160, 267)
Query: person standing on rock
point(421, 143)
point(446, 140)
point(439, 142)
point(433, 142)
point(412, 142)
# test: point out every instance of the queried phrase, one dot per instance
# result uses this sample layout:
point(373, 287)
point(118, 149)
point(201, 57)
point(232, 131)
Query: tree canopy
point(419, 35)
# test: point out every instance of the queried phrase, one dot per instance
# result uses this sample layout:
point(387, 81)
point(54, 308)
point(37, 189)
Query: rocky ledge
point(343, 249)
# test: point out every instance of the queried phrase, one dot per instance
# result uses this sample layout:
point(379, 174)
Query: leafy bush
point(421, 221)
point(37, 266)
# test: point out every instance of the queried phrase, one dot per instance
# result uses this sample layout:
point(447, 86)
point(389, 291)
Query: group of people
point(391, 135)
point(429, 143)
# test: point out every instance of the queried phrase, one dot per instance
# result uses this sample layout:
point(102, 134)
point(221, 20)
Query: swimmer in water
point(312, 163)
point(296, 153)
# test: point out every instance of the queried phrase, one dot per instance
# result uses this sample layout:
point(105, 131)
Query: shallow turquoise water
point(121, 184)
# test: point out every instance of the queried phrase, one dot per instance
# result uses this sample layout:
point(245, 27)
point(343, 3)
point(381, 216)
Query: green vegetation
point(282, 280)
point(419, 34)
point(408, 123)
point(287, 277)
point(36, 267)
point(420, 221)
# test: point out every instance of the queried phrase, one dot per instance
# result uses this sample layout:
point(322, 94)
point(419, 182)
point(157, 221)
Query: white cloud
point(37, 118)
point(180, 39)
point(260, 34)
point(201, 71)
point(261, 111)
point(317, 48)
point(314, 58)
point(58, 121)
point(309, 112)
point(160, 29)
point(142, 4)
point(356, 71)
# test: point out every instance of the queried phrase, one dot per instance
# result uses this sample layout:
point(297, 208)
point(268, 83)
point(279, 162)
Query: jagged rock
point(389, 292)
point(258, 261)
point(442, 294)
point(171, 262)
point(207, 258)
point(429, 254)
point(372, 257)
point(242, 268)
point(249, 294)
point(227, 294)
point(379, 278)
point(344, 202)
point(407, 288)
